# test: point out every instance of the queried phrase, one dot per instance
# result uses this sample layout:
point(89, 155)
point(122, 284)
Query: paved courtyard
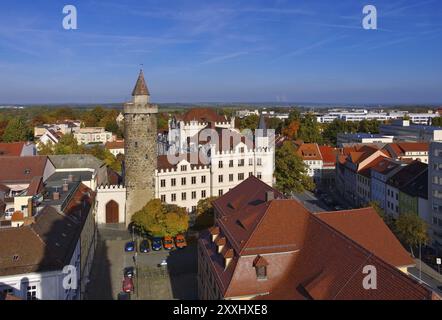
point(176, 281)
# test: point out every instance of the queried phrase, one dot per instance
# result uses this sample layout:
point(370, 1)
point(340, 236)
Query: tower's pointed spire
point(140, 87)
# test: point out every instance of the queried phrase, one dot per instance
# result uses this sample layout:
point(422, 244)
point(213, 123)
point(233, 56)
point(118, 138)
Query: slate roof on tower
point(140, 87)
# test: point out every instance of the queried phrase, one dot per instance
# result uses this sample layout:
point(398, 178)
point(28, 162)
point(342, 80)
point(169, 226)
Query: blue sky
point(224, 51)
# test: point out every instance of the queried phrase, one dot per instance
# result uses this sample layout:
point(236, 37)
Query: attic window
point(261, 272)
point(15, 257)
point(27, 171)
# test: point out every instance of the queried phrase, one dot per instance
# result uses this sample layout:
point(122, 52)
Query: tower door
point(112, 212)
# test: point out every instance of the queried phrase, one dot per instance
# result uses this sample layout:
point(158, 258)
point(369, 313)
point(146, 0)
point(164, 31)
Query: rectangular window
point(173, 182)
point(230, 177)
point(259, 162)
point(163, 183)
point(203, 194)
point(220, 192)
point(183, 196)
point(163, 198)
point(241, 163)
point(259, 175)
point(31, 293)
point(184, 168)
point(240, 176)
point(230, 163)
point(183, 181)
point(173, 197)
point(193, 180)
point(250, 174)
point(203, 179)
point(193, 194)
point(193, 208)
point(220, 178)
point(261, 272)
point(250, 162)
point(220, 164)
point(241, 149)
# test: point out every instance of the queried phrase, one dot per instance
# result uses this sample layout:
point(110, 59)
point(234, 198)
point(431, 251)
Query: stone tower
point(140, 148)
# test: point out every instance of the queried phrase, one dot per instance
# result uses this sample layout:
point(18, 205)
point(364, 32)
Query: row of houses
point(46, 133)
point(47, 243)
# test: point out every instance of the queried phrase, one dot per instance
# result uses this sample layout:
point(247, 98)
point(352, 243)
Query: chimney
point(70, 177)
point(56, 195)
point(65, 187)
point(29, 208)
point(270, 195)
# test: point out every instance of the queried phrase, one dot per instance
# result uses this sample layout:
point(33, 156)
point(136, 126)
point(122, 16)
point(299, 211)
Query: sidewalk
point(428, 270)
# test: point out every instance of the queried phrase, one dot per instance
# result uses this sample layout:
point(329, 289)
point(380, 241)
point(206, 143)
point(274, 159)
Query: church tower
point(140, 148)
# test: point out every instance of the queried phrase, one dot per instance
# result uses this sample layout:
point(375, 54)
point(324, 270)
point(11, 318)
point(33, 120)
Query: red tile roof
point(118, 144)
point(309, 151)
point(202, 115)
point(21, 169)
point(360, 225)
point(308, 256)
point(328, 155)
point(11, 148)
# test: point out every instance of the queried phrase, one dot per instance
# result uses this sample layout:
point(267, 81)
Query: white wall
point(106, 194)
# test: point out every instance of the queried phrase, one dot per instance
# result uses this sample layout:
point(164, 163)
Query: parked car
point(8, 213)
point(180, 241)
point(163, 263)
point(144, 246)
point(129, 246)
point(128, 285)
point(123, 296)
point(156, 244)
point(168, 243)
point(129, 272)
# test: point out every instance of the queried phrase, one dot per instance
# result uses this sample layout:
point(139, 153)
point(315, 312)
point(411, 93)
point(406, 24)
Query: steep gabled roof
point(140, 88)
point(21, 169)
point(11, 148)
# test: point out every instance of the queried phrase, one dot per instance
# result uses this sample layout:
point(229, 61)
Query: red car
point(128, 285)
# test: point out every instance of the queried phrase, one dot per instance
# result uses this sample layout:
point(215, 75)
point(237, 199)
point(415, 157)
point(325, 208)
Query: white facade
point(364, 114)
point(183, 185)
point(108, 193)
point(43, 285)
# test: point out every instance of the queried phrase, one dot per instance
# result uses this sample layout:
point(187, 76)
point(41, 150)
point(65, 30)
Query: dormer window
point(261, 273)
point(260, 265)
point(27, 171)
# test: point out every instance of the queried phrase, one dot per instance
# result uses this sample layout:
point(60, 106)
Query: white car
point(8, 213)
point(163, 263)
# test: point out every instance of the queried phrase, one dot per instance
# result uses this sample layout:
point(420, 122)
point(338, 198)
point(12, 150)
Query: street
point(177, 280)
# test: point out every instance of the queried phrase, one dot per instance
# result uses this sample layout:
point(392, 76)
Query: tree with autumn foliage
point(159, 219)
point(205, 213)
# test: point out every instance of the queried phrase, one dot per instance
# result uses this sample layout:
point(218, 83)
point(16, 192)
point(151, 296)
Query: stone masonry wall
point(140, 156)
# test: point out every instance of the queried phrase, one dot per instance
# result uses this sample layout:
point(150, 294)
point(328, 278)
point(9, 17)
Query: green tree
point(436, 122)
point(250, 122)
point(45, 149)
point(309, 130)
point(68, 144)
point(17, 130)
point(291, 171)
point(205, 213)
point(161, 220)
point(411, 230)
point(368, 126)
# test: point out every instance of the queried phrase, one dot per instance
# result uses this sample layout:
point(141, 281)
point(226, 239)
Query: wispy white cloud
point(225, 57)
